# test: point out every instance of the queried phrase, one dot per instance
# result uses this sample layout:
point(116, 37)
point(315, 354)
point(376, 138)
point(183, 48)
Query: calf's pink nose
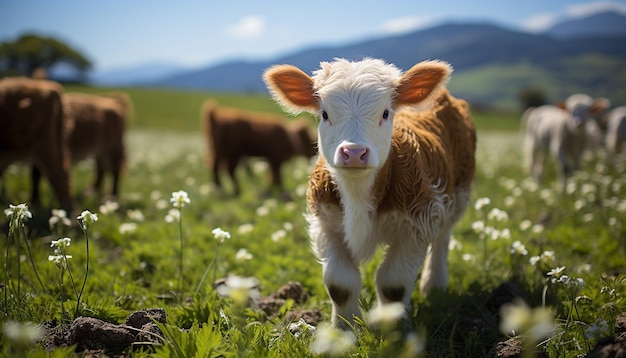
point(355, 156)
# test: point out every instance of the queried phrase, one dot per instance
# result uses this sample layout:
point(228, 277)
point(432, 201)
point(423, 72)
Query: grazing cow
point(388, 173)
point(99, 126)
point(33, 128)
point(615, 131)
point(559, 131)
point(233, 134)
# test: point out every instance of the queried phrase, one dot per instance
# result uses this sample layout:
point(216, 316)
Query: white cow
point(615, 131)
point(560, 132)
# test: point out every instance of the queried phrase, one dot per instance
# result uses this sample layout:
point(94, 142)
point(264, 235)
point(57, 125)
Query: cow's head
point(355, 103)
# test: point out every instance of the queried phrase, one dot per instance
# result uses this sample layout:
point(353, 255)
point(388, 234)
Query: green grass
point(139, 269)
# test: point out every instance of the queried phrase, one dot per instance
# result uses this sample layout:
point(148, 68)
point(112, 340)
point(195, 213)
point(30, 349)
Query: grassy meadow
point(563, 253)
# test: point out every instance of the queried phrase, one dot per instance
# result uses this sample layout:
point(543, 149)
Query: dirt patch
point(97, 338)
point(100, 338)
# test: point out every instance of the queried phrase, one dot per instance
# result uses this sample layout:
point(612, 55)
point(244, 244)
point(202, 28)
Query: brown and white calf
point(388, 173)
point(33, 129)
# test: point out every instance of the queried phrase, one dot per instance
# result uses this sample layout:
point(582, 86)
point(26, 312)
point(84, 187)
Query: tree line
point(32, 52)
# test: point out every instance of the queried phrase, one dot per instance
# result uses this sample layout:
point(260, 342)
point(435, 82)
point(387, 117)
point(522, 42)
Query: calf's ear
point(292, 88)
point(422, 83)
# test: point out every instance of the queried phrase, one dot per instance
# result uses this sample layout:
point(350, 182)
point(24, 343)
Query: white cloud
point(406, 24)
point(540, 22)
point(247, 27)
point(586, 9)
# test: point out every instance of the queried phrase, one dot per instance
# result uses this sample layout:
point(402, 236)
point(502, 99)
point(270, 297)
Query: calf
point(33, 129)
point(387, 174)
point(559, 131)
point(233, 134)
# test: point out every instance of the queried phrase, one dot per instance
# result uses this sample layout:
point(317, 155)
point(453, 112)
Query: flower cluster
point(518, 318)
point(86, 218)
point(517, 248)
point(59, 216)
point(60, 247)
point(108, 207)
point(220, 235)
point(18, 212)
point(332, 341)
point(179, 199)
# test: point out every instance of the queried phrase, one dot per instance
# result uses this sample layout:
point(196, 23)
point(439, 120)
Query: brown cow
point(33, 129)
point(233, 134)
point(99, 126)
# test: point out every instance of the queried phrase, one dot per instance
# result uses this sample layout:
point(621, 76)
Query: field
point(563, 253)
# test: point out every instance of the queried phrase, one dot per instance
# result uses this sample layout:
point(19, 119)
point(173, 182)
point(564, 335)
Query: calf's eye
point(324, 115)
point(386, 114)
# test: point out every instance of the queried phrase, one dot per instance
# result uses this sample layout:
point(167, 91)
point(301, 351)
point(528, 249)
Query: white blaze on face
point(355, 117)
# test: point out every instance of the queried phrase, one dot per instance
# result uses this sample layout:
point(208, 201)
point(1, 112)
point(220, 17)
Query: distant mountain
point(601, 24)
point(492, 64)
point(135, 75)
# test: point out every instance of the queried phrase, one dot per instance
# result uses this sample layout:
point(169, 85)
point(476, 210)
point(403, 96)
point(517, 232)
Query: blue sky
point(122, 33)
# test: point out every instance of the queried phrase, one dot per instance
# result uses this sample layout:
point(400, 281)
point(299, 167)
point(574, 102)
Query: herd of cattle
point(44, 127)
point(564, 131)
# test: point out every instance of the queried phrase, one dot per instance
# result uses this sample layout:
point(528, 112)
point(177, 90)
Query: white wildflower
point(468, 257)
point(537, 229)
point(525, 225)
point(518, 318)
point(240, 289)
point(518, 248)
point(59, 216)
point(454, 244)
point(135, 215)
point(179, 199)
point(108, 207)
point(245, 228)
point(497, 215)
point(220, 235)
point(18, 212)
point(300, 327)
point(385, 313)
point(86, 218)
point(481, 202)
point(478, 226)
point(127, 228)
point(22, 333)
point(161, 204)
point(332, 341)
point(276, 236)
point(61, 243)
point(243, 255)
point(262, 211)
point(173, 215)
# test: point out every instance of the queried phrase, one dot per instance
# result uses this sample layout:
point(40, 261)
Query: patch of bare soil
point(97, 338)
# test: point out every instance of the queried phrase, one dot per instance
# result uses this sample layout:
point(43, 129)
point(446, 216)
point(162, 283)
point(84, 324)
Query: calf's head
point(355, 103)
point(582, 107)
